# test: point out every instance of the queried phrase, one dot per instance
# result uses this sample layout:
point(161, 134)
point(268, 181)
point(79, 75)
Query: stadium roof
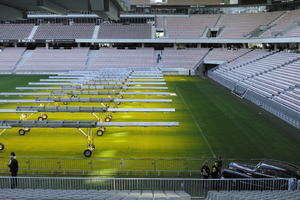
point(17, 9)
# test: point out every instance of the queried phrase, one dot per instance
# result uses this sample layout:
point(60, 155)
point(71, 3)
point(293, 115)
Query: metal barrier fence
point(194, 187)
point(112, 166)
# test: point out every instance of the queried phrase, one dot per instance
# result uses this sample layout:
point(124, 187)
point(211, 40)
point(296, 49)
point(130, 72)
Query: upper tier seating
point(231, 26)
point(184, 58)
point(243, 195)
point(120, 58)
point(15, 31)
point(9, 58)
point(60, 31)
point(283, 23)
point(130, 31)
point(240, 25)
point(56, 60)
point(192, 27)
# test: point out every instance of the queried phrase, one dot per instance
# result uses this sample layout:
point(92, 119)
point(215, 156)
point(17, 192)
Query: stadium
point(135, 99)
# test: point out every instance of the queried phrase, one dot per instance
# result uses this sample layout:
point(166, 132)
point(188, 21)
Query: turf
point(213, 122)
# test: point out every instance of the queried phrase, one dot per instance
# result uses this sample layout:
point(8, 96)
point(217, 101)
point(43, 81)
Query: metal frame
point(79, 125)
point(76, 93)
point(98, 83)
point(90, 87)
point(84, 100)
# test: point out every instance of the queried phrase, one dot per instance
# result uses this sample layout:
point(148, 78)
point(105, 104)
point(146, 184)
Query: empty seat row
point(26, 194)
point(250, 195)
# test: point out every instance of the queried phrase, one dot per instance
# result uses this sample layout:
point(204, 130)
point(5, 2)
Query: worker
point(205, 171)
point(215, 171)
point(13, 168)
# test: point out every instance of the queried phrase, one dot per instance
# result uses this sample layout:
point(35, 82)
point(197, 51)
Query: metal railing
point(194, 187)
point(113, 166)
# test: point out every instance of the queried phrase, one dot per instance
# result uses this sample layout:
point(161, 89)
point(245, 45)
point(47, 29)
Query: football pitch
point(213, 122)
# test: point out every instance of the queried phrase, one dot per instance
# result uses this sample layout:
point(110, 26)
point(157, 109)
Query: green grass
point(212, 122)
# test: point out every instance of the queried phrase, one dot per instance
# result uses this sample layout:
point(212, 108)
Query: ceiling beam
point(51, 7)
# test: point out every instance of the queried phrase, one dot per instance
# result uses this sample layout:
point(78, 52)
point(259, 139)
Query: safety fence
point(107, 166)
point(194, 187)
point(120, 167)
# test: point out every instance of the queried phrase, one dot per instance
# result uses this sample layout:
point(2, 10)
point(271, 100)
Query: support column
point(199, 46)
point(47, 45)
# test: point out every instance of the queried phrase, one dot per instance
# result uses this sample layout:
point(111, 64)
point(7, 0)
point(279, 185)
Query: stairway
point(96, 32)
point(91, 58)
point(32, 33)
point(26, 54)
point(219, 21)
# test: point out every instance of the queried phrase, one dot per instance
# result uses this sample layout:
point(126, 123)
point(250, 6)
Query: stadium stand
point(183, 27)
point(230, 26)
point(182, 58)
point(242, 195)
point(123, 58)
point(240, 25)
point(123, 31)
point(61, 31)
point(225, 55)
point(43, 59)
point(286, 26)
point(15, 31)
point(269, 79)
point(27, 194)
point(253, 75)
point(9, 58)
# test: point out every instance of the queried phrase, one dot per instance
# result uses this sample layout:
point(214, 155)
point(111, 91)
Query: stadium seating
point(60, 31)
point(283, 24)
point(184, 58)
point(130, 31)
point(247, 195)
point(15, 31)
point(56, 59)
point(240, 25)
point(271, 74)
point(225, 55)
point(27, 194)
point(124, 58)
point(230, 26)
point(9, 58)
point(192, 27)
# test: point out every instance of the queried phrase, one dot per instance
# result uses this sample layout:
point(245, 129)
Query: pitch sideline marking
point(197, 124)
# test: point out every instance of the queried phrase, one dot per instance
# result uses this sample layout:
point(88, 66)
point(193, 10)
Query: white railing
point(194, 187)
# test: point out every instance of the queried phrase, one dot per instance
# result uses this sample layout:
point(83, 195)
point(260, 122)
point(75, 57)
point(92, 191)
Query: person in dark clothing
point(205, 171)
point(220, 163)
point(14, 168)
point(215, 171)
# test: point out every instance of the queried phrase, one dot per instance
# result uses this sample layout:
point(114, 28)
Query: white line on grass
point(196, 122)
